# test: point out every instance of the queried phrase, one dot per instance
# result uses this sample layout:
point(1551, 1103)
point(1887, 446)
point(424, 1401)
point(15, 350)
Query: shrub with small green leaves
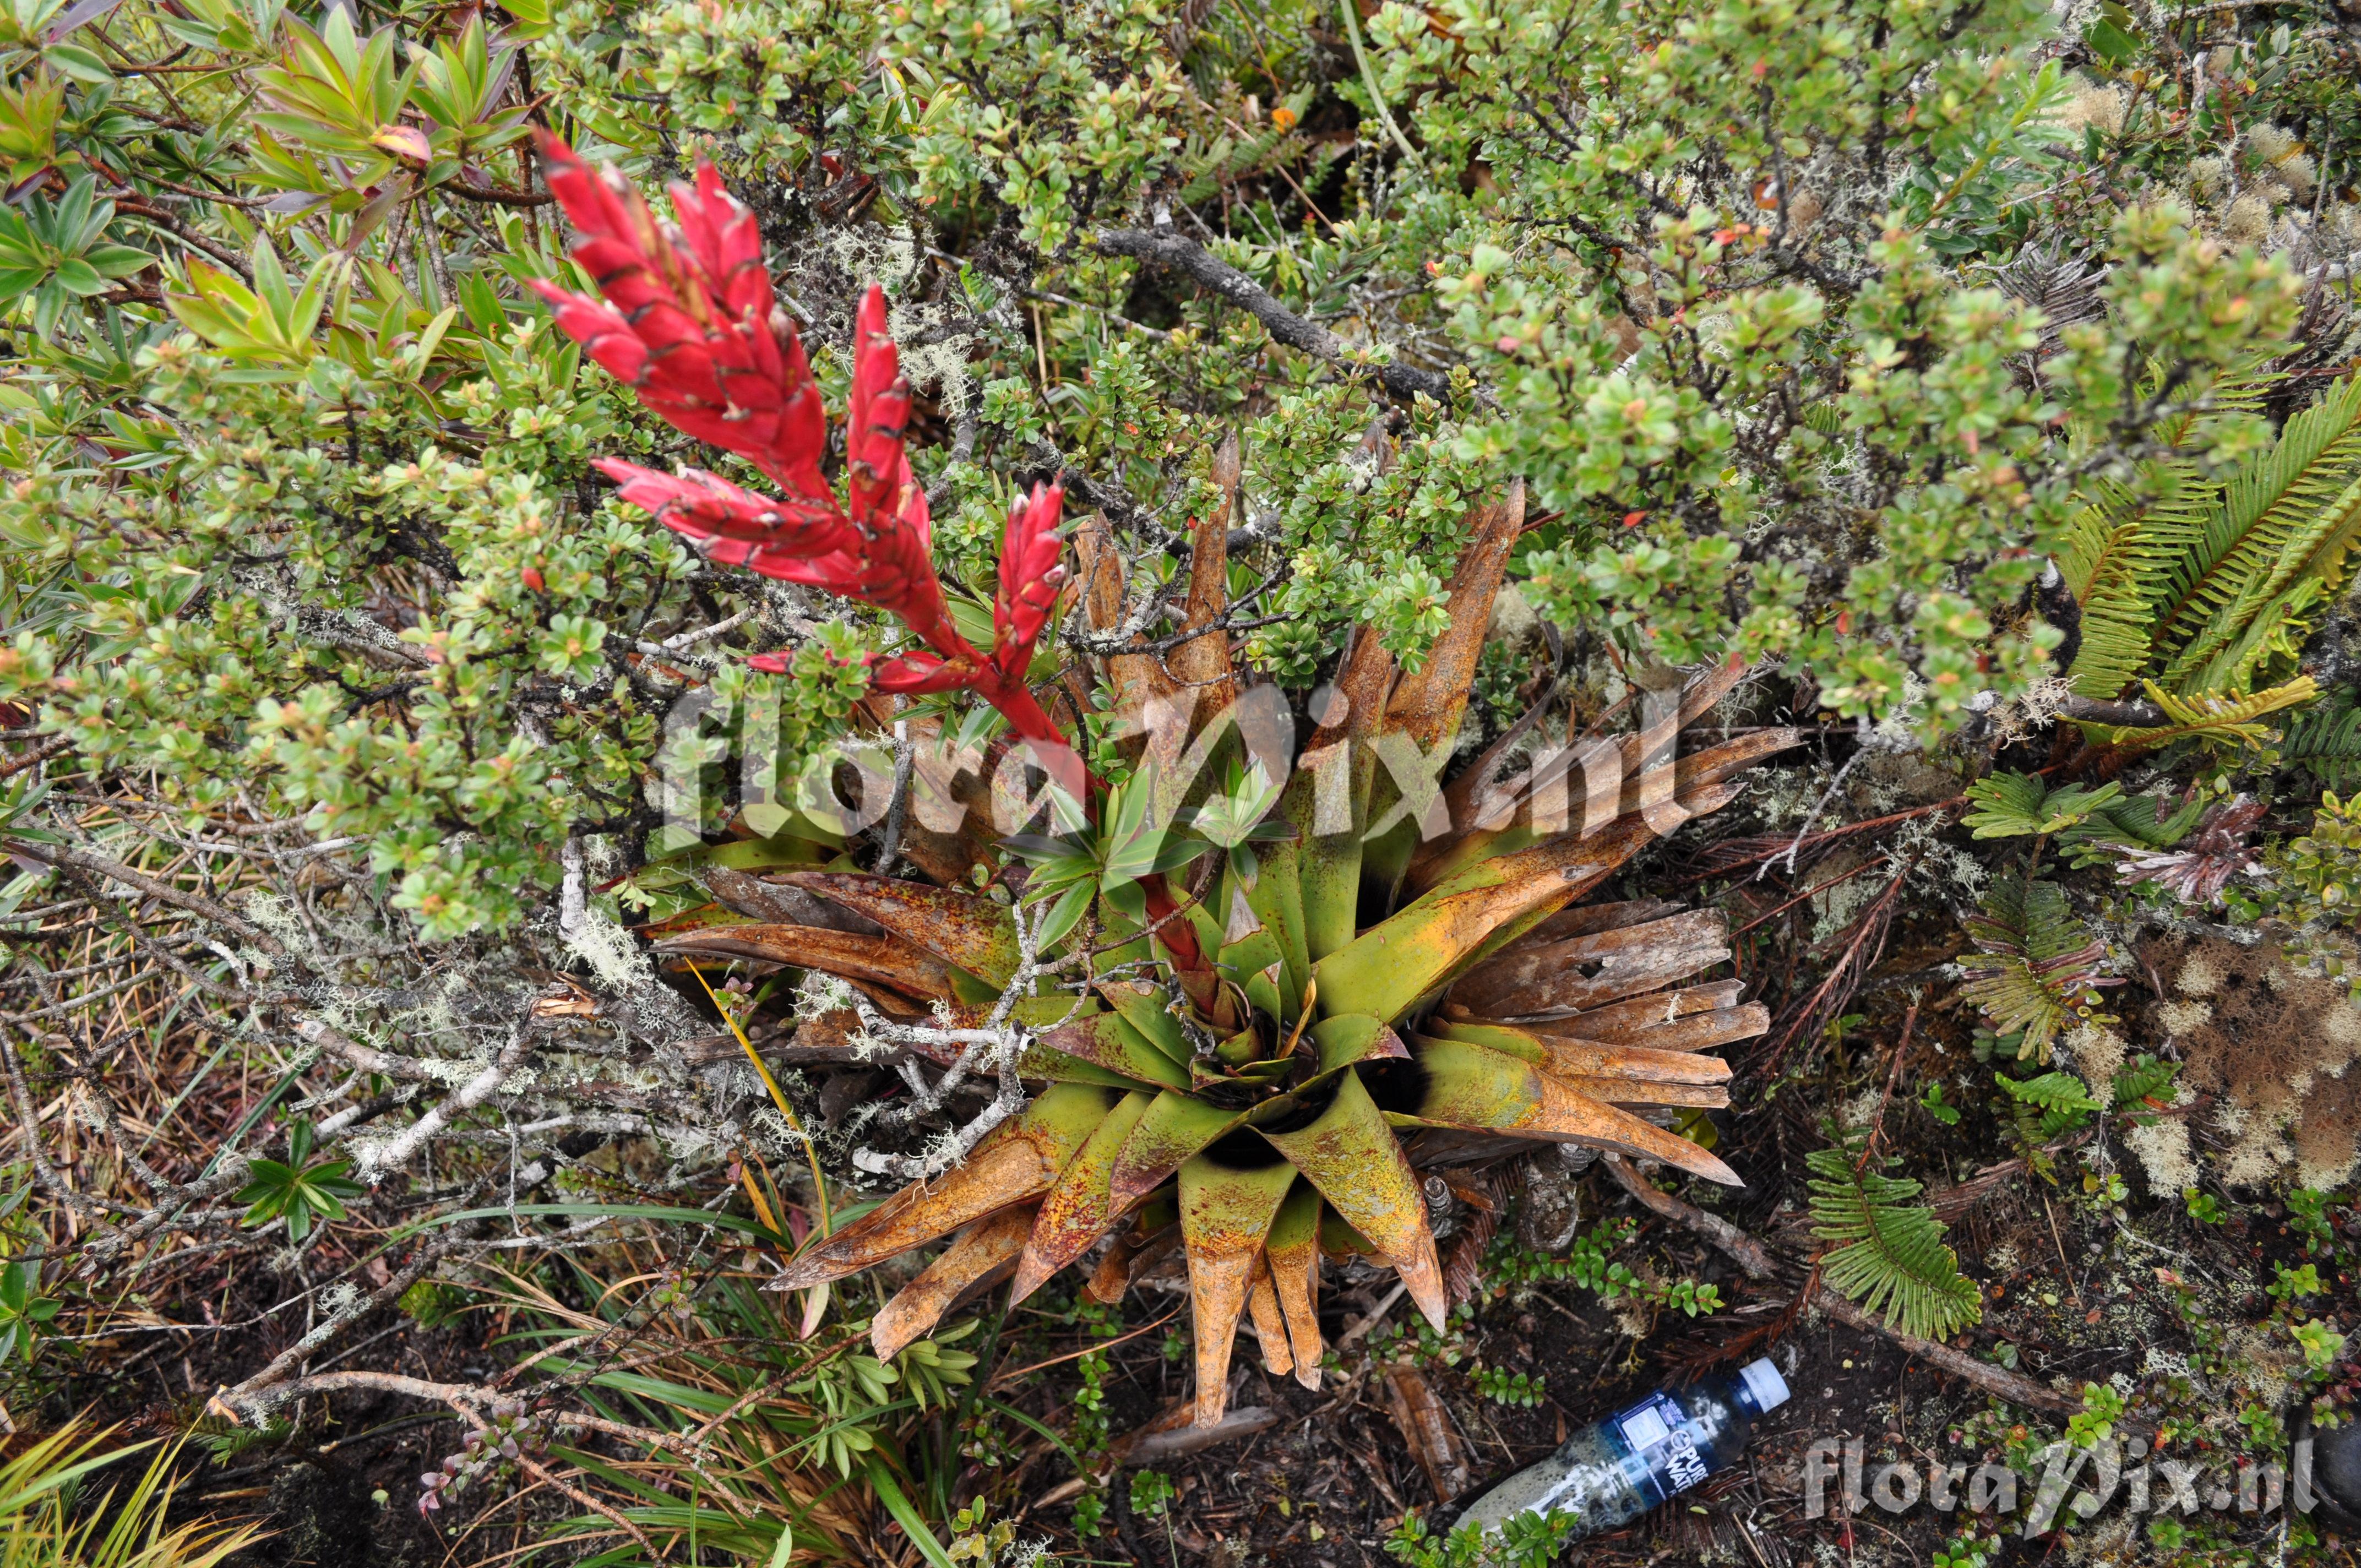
point(1519, 1390)
point(2102, 1406)
point(2290, 1285)
point(1524, 1540)
point(1152, 1492)
point(2319, 871)
point(1968, 1550)
point(2321, 1345)
point(2307, 1211)
point(1589, 1261)
point(1811, 332)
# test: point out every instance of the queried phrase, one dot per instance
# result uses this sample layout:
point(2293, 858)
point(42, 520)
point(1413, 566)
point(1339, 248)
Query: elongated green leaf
point(1351, 1155)
point(1108, 1040)
point(621, 1211)
point(889, 1492)
point(1276, 900)
point(1082, 1205)
point(1172, 1128)
point(1150, 1011)
point(1226, 1212)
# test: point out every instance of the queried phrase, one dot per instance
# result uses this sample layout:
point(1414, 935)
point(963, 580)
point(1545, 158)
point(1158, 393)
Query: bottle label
point(1684, 1466)
point(1656, 1431)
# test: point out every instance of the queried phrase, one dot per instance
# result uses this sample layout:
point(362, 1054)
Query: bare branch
point(162, 892)
point(383, 1162)
point(1165, 248)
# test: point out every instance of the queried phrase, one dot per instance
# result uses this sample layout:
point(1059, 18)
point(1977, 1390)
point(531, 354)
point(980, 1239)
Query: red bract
point(689, 323)
point(693, 330)
point(1029, 575)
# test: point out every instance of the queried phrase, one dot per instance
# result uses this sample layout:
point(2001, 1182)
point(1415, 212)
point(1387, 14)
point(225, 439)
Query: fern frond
point(2243, 390)
point(1890, 1255)
point(2040, 1110)
point(2267, 620)
point(2207, 585)
point(2017, 805)
point(2218, 716)
point(2144, 1082)
point(2031, 919)
point(2281, 521)
point(2061, 1093)
point(2028, 1130)
point(2111, 567)
point(2037, 974)
point(2065, 288)
point(2327, 742)
point(2139, 821)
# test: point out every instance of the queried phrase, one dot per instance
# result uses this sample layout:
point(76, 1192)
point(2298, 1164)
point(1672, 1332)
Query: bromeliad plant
point(1256, 1002)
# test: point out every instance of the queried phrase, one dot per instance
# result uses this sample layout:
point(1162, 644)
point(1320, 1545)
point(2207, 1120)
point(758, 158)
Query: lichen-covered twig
point(390, 1156)
point(997, 1044)
point(1172, 251)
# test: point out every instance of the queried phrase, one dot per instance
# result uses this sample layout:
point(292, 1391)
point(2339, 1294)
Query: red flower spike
point(688, 322)
point(794, 541)
point(1030, 579)
point(693, 331)
point(886, 504)
point(876, 416)
point(915, 674)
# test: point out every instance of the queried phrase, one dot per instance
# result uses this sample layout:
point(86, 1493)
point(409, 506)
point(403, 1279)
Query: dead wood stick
point(1759, 1263)
point(1173, 1443)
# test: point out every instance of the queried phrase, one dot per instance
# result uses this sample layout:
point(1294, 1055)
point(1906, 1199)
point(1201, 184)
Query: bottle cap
point(1763, 1380)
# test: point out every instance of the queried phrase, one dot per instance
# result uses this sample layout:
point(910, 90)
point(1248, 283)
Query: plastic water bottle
point(1611, 1472)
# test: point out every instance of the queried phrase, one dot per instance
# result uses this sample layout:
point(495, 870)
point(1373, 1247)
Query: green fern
point(2054, 1093)
point(2116, 555)
point(1889, 1255)
point(2141, 1085)
point(2134, 822)
point(2206, 585)
point(2036, 1110)
point(226, 1440)
point(2039, 972)
point(2272, 543)
point(2325, 742)
point(2017, 805)
point(2111, 567)
point(2215, 716)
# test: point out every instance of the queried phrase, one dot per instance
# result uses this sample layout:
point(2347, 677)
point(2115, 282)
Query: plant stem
point(778, 1098)
point(1370, 80)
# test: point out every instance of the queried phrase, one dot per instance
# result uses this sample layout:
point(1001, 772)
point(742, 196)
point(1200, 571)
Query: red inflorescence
point(689, 323)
